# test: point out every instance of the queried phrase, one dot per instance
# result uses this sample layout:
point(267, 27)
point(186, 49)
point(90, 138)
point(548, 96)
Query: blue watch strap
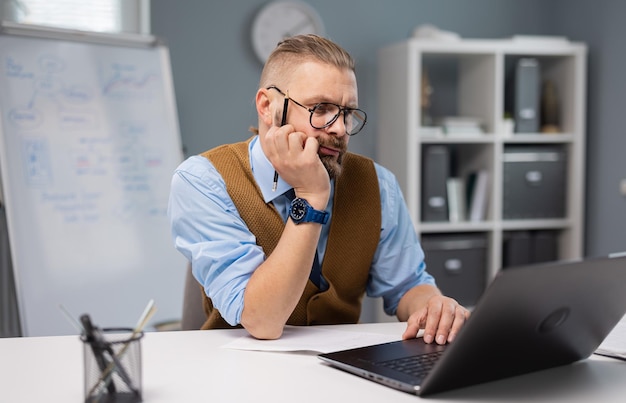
point(301, 211)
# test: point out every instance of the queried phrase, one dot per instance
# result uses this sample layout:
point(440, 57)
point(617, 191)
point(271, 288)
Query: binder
point(545, 246)
point(527, 95)
point(529, 247)
point(435, 173)
point(517, 249)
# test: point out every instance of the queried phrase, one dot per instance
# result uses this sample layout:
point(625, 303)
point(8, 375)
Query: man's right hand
point(294, 156)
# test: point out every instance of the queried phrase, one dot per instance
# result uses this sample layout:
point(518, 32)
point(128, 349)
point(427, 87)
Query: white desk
point(191, 366)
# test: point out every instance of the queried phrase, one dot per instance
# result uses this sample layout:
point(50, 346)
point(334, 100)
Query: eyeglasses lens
point(324, 114)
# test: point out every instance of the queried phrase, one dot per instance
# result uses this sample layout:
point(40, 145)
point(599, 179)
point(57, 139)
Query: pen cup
point(112, 366)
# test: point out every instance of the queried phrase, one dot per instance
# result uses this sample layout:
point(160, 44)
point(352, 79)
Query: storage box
point(534, 182)
point(520, 248)
point(458, 263)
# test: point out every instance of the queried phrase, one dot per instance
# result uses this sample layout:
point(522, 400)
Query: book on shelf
point(477, 195)
point(460, 125)
point(431, 131)
point(456, 199)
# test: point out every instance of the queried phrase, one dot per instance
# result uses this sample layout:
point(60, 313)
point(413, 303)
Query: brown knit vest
point(353, 236)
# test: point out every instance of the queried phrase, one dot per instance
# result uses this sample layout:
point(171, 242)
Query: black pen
point(96, 347)
point(282, 123)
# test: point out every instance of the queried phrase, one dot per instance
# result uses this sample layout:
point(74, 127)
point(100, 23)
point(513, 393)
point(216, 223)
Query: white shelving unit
point(477, 71)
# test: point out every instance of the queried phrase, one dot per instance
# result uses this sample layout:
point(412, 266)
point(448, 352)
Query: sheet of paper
point(308, 338)
point(615, 343)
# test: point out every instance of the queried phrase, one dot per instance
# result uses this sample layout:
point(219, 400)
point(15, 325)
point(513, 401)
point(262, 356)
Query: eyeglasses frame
point(333, 120)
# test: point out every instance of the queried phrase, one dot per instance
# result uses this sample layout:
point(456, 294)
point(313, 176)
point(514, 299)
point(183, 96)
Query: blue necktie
point(316, 271)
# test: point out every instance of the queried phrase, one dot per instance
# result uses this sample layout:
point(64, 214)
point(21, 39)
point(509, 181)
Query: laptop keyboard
point(417, 365)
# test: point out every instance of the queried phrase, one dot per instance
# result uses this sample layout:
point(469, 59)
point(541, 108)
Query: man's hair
point(295, 50)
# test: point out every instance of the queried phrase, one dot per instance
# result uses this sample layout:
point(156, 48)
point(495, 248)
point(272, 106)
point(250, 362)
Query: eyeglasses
point(324, 114)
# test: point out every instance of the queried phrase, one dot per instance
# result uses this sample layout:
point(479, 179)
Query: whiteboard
point(89, 142)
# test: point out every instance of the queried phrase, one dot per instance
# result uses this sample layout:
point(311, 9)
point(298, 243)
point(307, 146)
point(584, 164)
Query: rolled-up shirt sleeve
point(208, 230)
point(398, 263)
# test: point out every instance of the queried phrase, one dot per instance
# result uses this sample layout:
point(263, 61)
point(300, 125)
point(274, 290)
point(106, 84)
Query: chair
point(193, 300)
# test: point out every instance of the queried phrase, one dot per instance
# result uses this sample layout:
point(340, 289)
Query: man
point(265, 261)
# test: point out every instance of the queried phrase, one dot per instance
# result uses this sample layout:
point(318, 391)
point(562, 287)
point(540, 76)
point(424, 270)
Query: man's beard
point(333, 167)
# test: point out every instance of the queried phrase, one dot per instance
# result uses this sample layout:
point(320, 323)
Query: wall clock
point(278, 20)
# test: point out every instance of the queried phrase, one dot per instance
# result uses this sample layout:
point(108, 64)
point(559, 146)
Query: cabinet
point(421, 81)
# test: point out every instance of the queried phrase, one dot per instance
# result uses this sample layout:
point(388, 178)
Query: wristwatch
point(301, 211)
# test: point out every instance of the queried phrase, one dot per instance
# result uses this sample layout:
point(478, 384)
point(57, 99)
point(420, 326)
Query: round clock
point(278, 20)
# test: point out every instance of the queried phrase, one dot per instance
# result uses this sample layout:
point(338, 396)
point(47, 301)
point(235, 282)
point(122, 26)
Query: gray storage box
point(534, 182)
point(458, 263)
point(520, 248)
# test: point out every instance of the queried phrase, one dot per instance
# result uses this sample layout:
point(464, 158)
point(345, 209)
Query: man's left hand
point(441, 318)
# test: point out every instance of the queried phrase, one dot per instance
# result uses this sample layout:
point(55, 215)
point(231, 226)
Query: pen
point(96, 347)
point(73, 321)
point(282, 123)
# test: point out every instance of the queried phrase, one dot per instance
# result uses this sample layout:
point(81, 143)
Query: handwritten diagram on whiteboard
point(89, 144)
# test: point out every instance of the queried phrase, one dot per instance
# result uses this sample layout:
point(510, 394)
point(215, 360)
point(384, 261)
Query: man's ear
point(263, 107)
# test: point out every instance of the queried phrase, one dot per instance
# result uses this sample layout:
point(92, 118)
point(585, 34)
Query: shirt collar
point(263, 172)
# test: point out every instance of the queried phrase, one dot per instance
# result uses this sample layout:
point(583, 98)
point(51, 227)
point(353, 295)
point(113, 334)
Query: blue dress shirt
point(208, 230)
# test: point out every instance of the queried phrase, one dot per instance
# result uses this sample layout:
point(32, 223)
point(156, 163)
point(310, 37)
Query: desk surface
point(192, 366)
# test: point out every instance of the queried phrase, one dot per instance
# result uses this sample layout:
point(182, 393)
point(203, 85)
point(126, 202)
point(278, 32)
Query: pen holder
point(112, 366)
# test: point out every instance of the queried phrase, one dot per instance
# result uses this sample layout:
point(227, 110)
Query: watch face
point(298, 209)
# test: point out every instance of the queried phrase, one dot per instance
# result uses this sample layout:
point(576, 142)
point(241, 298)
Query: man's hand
point(441, 318)
point(294, 156)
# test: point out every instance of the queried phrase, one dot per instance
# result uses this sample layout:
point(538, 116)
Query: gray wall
point(216, 73)
point(601, 25)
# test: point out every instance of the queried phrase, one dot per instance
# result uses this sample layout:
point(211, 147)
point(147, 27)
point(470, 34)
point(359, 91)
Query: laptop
point(529, 318)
